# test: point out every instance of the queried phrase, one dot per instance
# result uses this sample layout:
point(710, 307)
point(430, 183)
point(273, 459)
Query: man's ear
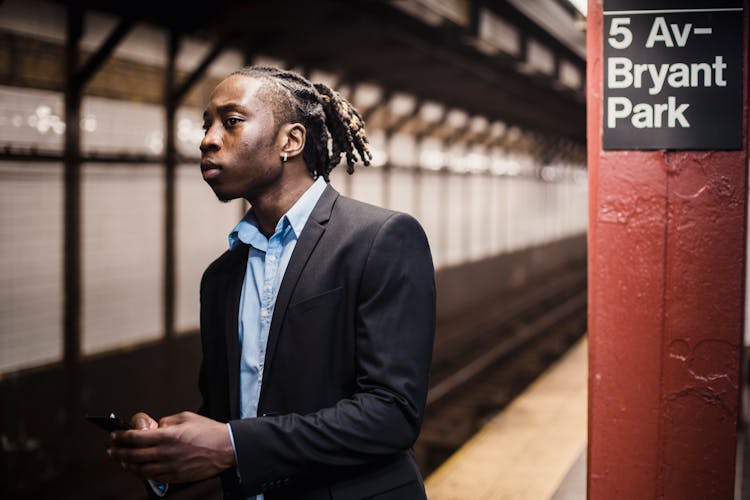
point(293, 139)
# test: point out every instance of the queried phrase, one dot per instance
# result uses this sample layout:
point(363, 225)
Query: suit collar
point(236, 275)
point(247, 230)
point(322, 211)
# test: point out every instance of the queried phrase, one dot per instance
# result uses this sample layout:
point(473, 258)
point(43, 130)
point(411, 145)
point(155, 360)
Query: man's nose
point(211, 141)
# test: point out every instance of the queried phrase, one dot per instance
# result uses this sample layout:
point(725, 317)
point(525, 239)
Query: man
point(316, 326)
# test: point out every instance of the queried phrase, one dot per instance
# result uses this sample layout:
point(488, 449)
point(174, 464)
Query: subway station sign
point(673, 74)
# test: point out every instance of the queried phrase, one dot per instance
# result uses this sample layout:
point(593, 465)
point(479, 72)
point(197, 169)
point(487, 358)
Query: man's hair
point(327, 117)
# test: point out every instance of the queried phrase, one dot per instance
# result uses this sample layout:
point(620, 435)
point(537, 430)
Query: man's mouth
point(210, 170)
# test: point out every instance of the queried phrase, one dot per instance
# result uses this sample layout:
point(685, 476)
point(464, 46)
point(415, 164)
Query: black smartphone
point(109, 423)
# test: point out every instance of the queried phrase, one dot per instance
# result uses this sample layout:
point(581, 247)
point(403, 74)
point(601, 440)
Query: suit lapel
point(308, 239)
point(236, 275)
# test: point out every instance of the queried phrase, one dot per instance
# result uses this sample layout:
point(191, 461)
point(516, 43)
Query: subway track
point(489, 355)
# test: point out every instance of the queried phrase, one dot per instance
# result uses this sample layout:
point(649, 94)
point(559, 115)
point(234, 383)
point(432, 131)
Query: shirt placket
point(271, 269)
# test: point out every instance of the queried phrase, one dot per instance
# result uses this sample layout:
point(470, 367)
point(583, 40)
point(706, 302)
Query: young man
point(316, 325)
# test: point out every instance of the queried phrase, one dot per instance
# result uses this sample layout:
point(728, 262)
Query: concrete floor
point(573, 486)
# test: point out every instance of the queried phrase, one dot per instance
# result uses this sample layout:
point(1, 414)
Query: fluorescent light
point(580, 5)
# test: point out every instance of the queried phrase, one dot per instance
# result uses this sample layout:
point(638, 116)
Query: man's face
point(240, 150)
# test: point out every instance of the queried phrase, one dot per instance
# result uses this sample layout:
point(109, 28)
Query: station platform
point(535, 449)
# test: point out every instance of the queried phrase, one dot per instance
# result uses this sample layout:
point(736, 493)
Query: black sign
point(673, 74)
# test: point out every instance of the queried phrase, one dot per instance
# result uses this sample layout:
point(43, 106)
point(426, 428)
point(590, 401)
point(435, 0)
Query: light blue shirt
point(266, 263)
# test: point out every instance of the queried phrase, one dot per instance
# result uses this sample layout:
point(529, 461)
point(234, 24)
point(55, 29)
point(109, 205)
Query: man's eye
point(231, 122)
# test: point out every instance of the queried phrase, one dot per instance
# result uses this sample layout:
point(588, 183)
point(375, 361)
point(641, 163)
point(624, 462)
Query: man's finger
point(141, 439)
point(171, 420)
point(165, 421)
point(143, 421)
point(137, 455)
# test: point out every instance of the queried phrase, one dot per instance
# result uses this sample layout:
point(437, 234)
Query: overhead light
point(479, 124)
point(431, 159)
point(402, 104)
point(457, 118)
point(366, 95)
point(431, 111)
point(319, 76)
point(497, 129)
point(580, 5)
point(89, 123)
point(379, 157)
point(155, 142)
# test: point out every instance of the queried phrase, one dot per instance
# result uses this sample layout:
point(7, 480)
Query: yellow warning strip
point(524, 452)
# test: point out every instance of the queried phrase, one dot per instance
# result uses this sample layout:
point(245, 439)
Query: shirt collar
point(248, 232)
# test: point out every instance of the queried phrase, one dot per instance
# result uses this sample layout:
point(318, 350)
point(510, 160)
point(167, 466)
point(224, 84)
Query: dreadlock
point(327, 117)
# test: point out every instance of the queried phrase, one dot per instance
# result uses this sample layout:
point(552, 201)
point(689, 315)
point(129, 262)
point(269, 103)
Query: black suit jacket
point(348, 354)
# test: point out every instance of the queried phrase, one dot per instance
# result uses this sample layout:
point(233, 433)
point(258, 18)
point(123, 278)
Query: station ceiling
point(375, 41)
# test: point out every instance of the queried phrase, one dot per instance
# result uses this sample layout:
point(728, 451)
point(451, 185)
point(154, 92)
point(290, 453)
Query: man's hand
point(184, 447)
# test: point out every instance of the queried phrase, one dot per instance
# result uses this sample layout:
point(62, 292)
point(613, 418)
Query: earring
point(284, 157)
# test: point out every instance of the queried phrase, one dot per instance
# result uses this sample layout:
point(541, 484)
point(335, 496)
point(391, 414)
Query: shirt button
point(264, 312)
point(271, 258)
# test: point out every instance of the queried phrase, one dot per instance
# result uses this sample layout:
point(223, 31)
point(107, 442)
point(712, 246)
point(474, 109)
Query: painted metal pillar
point(170, 173)
point(666, 300)
point(72, 216)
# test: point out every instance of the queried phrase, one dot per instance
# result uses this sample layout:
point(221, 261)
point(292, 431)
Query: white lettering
point(639, 69)
point(658, 77)
point(645, 115)
point(659, 33)
point(642, 116)
point(623, 73)
point(679, 75)
point(681, 37)
point(619, 28)
point(617, 107)
point(675, 114)
point(618, 72)
point(719, 66)
point(694, 69)
point(659, 110)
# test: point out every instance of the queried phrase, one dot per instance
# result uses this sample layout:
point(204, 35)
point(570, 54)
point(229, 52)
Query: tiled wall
point(482, 204)
point(31, 269)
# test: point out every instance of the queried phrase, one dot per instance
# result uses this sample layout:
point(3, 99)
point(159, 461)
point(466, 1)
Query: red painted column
point(666, 302)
